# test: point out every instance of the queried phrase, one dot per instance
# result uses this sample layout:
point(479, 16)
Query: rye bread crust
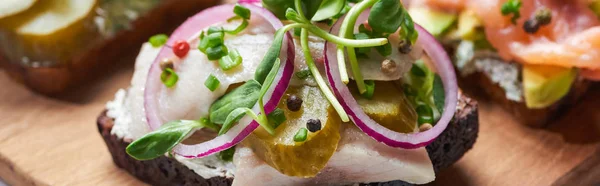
point(448, 148)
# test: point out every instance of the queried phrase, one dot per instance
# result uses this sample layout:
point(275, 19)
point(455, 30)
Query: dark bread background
point(448, 148)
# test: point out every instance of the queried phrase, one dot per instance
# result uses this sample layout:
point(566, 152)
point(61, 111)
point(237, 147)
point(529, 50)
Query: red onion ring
point(240, 131)
point(380, 133)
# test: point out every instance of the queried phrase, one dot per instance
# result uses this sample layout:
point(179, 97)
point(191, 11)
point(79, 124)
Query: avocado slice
point(436, 22)
point(544, 85)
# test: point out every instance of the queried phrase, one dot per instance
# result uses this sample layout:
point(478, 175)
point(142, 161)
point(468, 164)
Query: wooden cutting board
point(48, 141)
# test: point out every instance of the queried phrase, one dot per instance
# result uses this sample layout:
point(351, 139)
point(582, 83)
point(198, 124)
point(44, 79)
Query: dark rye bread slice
point(481, 83)
point(448, 148)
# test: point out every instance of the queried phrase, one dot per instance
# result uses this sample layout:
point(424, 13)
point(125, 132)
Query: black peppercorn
point(294, 103)
point(313, 125)
point(541, 18)
point(404, 46)
point(531, 26)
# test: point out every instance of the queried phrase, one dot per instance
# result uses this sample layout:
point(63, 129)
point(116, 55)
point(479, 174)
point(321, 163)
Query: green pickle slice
point(388, 107)
point(300, 159)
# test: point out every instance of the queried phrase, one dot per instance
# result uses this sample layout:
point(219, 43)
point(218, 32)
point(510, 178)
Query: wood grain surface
point(54, 141)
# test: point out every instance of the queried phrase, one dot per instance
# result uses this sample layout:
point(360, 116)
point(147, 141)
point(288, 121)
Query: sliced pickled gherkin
point(49, 32)
point(54, 32)
point(388, 107)
point(300, 159)
point(12, 7)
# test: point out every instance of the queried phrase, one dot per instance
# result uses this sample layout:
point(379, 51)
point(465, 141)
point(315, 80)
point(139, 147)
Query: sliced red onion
point(240, 131)
point(442, 63)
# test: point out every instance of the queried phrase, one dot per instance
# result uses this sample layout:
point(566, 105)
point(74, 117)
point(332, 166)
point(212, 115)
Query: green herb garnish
point(242, 12)
point(231, 60)
point(158, 40)
point(169, 77)
point(212, 83)
point(162, 140)
point(512, 7)
point(215, 53)
point(301, 135)
point(244, 96)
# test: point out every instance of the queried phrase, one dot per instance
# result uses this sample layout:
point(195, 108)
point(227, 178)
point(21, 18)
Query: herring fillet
point(358, 159)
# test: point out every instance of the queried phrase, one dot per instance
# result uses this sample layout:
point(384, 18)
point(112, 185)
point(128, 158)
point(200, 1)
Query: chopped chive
point(169, 77)
point(212, 83)
point(303, 74)
point(215, 39)
point(276, 117)
point(215, 53)
point(241, 27)
point(512, 7)
point(213, 29)
point(158, 40)
point(241, 11)
point(231, 60)
point(203, 45)
point(425, 114)
point(370, 87)
point(301, 135)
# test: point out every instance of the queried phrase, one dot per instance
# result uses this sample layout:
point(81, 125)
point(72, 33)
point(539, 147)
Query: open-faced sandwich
point(535, 57)
point(53, 45)
point(291, 93)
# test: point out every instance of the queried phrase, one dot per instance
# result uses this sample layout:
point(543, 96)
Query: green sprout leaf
point(328, 9)
point(234, 116)
point(273, 54)
point(278, 7)
point(162, 140)
point(244, 96)
point(385, 16)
